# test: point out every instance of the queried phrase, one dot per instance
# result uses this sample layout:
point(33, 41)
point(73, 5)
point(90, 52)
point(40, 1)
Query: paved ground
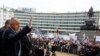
point(64, 54)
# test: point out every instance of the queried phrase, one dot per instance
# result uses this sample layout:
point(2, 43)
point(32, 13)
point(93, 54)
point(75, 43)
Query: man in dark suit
point(26, 45)
point(2, 29)
point(12, 38)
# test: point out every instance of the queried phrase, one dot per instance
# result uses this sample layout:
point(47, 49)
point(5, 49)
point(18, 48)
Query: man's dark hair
point(7, 22)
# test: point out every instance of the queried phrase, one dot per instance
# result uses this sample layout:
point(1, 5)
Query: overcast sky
point(53, 5)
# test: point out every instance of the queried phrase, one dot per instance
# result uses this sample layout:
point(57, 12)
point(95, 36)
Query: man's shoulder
point(9, 30)
point(2, 29)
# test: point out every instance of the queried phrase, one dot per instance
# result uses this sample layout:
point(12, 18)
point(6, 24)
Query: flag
point(84, 35)
point(85, 40)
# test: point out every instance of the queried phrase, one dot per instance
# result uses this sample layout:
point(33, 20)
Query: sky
point(53, 5)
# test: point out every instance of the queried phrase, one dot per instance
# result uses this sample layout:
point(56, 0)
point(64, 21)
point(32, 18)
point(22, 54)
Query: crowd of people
point(19, 42)
point(80, 49)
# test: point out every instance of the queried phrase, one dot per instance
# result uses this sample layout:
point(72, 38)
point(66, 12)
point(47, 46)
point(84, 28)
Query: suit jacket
point(26, 46)
point(11, 41)
point(1, 44)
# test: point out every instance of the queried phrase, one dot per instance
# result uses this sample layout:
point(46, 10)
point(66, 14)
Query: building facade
point(5, 14)
point(49, 22)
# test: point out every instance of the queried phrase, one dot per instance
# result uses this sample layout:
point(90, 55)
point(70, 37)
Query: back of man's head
point(7, 23)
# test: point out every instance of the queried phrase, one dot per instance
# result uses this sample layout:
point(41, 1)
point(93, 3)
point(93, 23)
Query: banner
point(50, 35)
point(73, 36)
point(34, 35)
point(97, 38)
point(65, 37)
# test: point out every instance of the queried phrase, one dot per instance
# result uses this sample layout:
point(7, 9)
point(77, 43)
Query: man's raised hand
point(30, 23)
